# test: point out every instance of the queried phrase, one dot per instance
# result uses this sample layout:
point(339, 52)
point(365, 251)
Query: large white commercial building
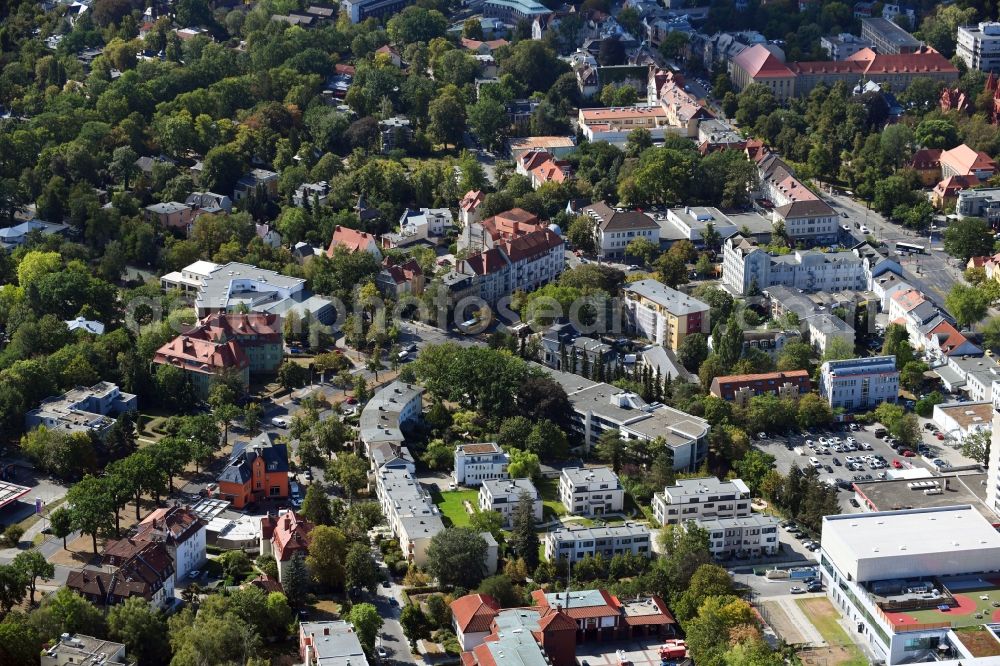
point(591, 491)
point(476, 463)
point(891, 572)
point(503, 496)
point(704, 498)
point(979, 46)
point(575, 544)
point(993, 471)
point(859, 383)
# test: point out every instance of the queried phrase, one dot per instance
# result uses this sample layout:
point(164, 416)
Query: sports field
point(978, 601)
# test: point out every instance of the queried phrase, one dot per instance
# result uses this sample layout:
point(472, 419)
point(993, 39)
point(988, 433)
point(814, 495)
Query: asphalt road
point(933, 273)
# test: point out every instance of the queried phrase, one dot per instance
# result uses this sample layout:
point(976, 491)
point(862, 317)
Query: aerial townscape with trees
point(438, 332)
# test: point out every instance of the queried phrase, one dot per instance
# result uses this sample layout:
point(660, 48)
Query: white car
point(381, 652)
point(850, 440)
point(865, 230)
point(279, 421)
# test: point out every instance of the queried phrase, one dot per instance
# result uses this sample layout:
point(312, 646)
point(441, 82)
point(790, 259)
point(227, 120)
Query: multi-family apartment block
point(476, 463)
point(82, 409)
point(503, 496)
point(591, 491)
point(859, 383)
point(664, 315)
point(701, 499)
point(573, 544)
point(411, 513)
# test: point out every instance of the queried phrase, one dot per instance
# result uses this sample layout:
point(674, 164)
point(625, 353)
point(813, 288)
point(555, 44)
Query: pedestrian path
point(802, 623)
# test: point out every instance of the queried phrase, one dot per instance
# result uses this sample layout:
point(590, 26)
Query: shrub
point(12, 536)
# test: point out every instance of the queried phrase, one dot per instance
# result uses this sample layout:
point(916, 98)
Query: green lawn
point(825, 618)
point(451, 503)
point(552, 508)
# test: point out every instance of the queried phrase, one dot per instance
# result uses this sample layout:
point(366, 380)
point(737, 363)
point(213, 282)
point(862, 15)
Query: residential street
point(933, 273)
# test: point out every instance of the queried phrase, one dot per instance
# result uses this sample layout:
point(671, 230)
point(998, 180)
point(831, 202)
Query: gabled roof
point(201, 356)
point(351, 239)
point(952, 185)
point(926, 158)
point(239, 469)
point(532, 245)
point(487, 262)
point(809, 208)
point(758, 62)
point(290, 535)
point(471, 200)
point(948, 337)
point(175, 524)
point(964, 160)
point(474, 613)
point(909, 299)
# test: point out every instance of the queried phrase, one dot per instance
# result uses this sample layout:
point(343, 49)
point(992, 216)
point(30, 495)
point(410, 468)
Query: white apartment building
point(575, 544)
point(979, 46)
point(412, 516)
point(615, 228)
point(392, 407)
point(503, 497)
point(90, 409)
point(591, 491)
point(599, 407)
point(82, 650)
point(753, 535)
point(961, 419)
point(746, 267)
point(475, 463)
point(701, 499)
point(877, 566)
point(859, 383)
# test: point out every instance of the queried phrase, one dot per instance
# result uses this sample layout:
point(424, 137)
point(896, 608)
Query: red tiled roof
point(264, 327)
point(174, 524)
point(202, 356)
point(351, 239)
point(949, 337)
point(290, 535)
point(757, 61)
point(404, 272)
point(908, 299)
point(511, 223)
point(532, 245)
point(474, 613)
point(964, 160)
point(739, 379)
point(487, 262)
point(471, 200)
point(926, 158)
point(952, 185)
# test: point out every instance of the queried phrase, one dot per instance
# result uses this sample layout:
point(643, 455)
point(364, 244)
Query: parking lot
point(835, 464)
point(793, 450)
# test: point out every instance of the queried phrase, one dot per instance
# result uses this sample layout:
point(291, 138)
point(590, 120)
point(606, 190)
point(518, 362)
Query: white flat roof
point(934, 541)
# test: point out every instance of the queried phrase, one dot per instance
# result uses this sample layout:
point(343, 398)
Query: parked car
point(908, 453)
point(854, 503)
point(279, 421)
point(815, 587)
point(896, 463)
point(795, 589)
point(940, 436)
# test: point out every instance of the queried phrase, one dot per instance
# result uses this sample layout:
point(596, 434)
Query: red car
point(940, 436)
point(897, 464)
point(351, 401)
point(908, 454)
